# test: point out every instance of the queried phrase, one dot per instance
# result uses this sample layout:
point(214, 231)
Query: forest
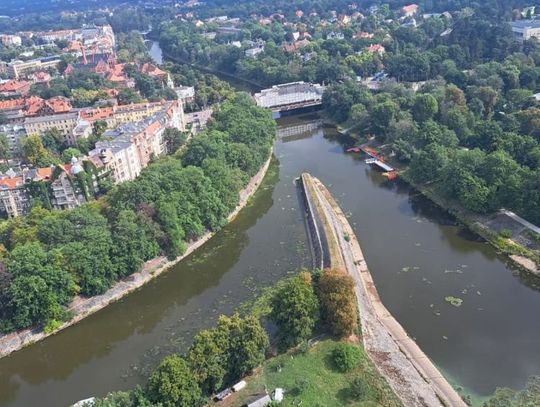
point(469, 127)
point(48, 257)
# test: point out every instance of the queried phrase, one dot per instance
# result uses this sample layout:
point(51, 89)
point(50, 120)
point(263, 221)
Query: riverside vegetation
point(469, 131)
point(298, 307)
point(48, 257)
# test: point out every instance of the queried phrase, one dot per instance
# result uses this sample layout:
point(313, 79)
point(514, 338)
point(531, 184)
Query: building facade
point(526, 29)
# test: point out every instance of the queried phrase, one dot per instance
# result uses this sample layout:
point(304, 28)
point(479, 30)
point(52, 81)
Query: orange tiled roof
point(13, 86)
point(152, 70)
point(99, 113)
point(44, 173)
point(59, 104)
point(11, 183)
point(11, 104)
point(32, 105)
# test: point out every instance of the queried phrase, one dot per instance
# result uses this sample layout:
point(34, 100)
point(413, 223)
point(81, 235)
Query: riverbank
point(517, 248)
point(408, 370)
point(522, 257)
point(82, 307)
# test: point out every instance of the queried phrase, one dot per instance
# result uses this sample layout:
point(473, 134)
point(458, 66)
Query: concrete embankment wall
point(316, 240)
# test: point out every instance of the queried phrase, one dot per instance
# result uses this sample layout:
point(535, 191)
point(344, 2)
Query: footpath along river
point(417, 256)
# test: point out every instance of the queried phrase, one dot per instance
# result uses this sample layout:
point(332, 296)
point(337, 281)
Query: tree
point(295, 309)
point(4, 148)
point(173, 384)
point(53, 140)
point(40, 286)
point(248, 343)
point(69, 153)
point(382, 115)
point(208, 357)
point(425, 106)
point(128, 96)
point(346, 356)
point(98, 128)
point(174, 139)
point(35, 153)
point(338, 302)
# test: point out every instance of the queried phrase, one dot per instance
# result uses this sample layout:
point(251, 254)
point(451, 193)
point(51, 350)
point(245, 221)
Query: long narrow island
point(410, 373)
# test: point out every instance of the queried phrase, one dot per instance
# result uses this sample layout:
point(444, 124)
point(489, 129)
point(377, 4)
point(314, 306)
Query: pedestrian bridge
point(290, 96)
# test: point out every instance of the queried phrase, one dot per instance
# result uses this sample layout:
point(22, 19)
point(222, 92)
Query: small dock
point(380, 164)
point(376, 159)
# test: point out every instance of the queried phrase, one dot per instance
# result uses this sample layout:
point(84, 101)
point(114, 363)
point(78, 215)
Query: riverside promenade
point(410, 373)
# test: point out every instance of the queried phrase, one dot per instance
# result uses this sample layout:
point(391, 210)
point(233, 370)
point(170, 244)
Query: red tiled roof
point(152, 70)
point(14, 86)
point(44, 173)
point(411, 8)
point(59, 104)
point(11, 183)
point(11, 104)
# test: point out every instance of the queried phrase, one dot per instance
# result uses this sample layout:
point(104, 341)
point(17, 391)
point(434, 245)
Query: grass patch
point(311, 379)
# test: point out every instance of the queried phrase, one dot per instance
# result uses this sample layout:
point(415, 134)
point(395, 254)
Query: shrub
point(346, 356)
point(506, 233)
point(358, 388)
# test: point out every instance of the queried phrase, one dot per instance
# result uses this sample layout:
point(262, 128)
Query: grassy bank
point(310, 378)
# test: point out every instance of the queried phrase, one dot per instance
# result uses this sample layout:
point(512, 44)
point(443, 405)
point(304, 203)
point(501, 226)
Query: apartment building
point(14, 198)
point(64, 191)
point(134, 144)
point(10, 40)
point(65, 123)
point(14, 134)
point(19, 68)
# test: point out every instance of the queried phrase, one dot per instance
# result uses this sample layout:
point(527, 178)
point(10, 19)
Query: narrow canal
point(416, 253)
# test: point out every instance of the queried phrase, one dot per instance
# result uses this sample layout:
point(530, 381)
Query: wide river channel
point(417, 254)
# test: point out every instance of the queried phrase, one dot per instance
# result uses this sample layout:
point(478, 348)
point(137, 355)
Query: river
point(416, 253)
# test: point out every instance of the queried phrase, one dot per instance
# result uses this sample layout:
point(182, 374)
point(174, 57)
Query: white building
point(526, 29)
point(10, 40)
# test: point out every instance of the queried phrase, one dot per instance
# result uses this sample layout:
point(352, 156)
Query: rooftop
point(525, 24)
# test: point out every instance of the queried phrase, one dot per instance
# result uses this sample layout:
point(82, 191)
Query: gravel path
point(410, 373)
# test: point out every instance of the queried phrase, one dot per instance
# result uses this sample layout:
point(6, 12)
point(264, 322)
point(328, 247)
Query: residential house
point(409, 10)
point(152, 70)
point(376, 48)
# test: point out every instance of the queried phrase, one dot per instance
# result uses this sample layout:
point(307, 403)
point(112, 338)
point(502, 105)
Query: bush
point(358, 388)
point(346, 356)
point(506, 233)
